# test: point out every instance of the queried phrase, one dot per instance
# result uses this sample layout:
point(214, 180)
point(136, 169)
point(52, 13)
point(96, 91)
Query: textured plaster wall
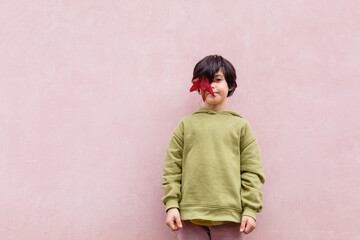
point(90, 92)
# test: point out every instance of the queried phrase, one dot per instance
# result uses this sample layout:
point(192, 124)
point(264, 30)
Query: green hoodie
point(213, 169)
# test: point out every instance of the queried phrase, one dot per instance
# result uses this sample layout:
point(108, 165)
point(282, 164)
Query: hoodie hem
point(210, 213)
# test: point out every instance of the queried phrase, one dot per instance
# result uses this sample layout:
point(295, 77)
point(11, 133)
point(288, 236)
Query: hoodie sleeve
point(252, 175)
point(172, 169)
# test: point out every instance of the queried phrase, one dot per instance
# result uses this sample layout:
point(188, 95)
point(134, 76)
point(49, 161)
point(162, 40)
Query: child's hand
point(173, 219)
point(248, 224)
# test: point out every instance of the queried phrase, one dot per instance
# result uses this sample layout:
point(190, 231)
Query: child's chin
point(211, 101)
point(211, 97)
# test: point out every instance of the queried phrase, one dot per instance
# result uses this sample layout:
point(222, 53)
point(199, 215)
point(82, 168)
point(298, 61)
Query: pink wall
point(90, 92)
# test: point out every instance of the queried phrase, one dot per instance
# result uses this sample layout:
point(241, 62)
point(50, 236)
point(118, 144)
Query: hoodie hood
point(204, 110)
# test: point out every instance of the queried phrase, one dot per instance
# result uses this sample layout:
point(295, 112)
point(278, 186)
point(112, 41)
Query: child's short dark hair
point(209, 65)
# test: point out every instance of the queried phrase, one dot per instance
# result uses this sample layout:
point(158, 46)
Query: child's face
point(220, 89)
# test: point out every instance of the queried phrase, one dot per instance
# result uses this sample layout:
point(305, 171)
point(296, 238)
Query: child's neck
point(216, 108)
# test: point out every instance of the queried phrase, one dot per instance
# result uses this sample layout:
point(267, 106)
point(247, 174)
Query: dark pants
point(227, 231)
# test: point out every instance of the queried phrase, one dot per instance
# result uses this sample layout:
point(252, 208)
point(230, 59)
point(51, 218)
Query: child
point(212, 172)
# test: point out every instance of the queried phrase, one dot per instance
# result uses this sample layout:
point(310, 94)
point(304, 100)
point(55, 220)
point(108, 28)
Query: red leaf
point(204, 85)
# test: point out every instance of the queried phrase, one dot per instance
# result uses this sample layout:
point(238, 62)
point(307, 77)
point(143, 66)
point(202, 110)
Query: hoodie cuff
point(172, 203)
point(249, 212)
